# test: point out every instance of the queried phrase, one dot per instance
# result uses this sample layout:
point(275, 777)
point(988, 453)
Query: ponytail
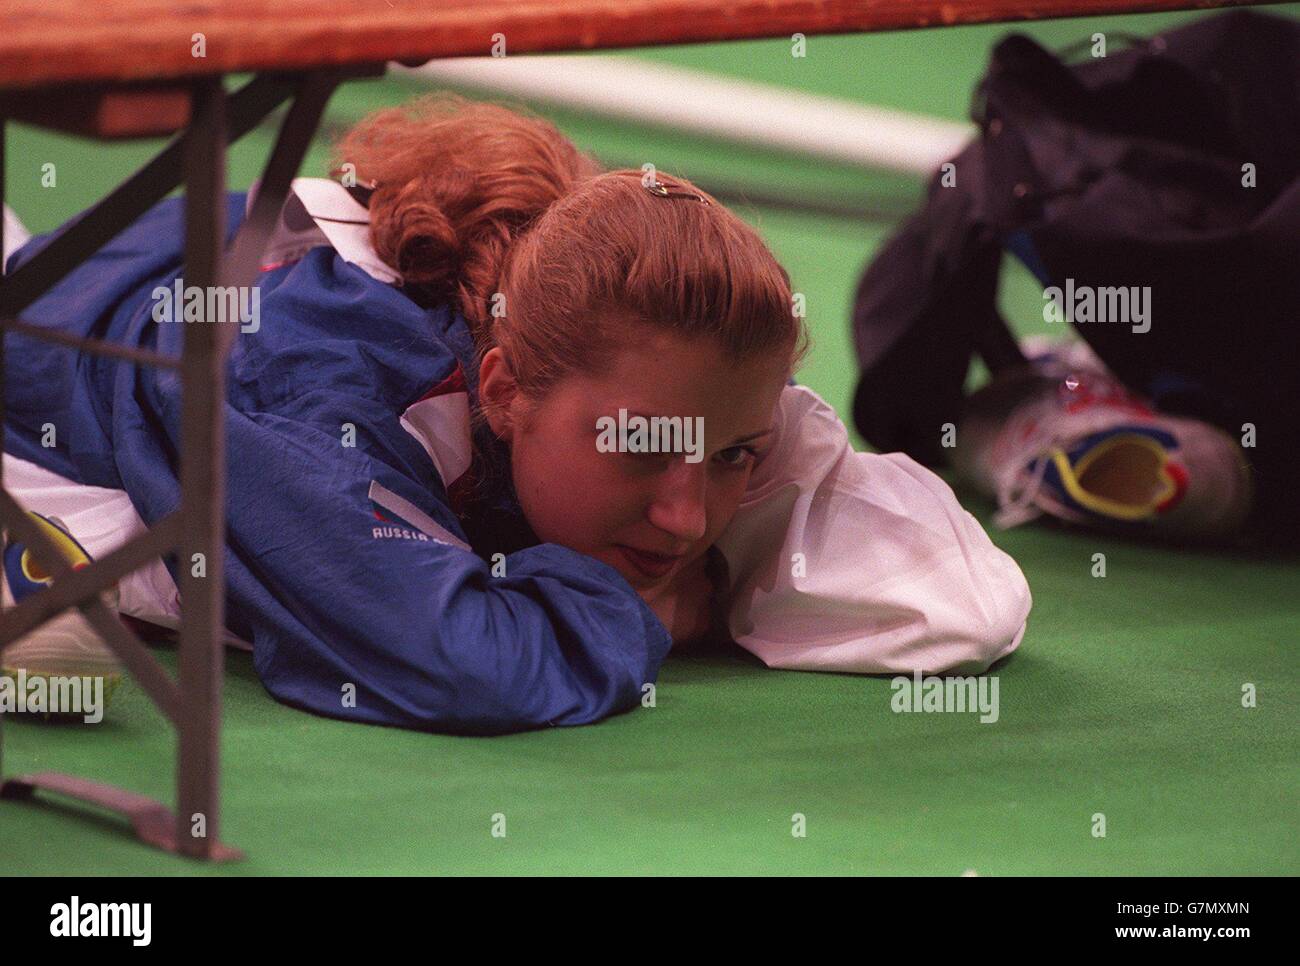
point(456, 182)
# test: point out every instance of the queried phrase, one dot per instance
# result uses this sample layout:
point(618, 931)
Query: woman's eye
point(742, 456)
point(732, 458)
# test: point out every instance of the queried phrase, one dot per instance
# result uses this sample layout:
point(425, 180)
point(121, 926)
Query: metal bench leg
point(203, 482)
point(193, 703)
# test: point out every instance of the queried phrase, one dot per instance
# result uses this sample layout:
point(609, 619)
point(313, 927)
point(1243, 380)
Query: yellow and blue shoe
point(1064, 438)
point(66, 645)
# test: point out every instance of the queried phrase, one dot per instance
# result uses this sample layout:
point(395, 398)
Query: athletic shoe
point(65, 645)
point(1063, 437)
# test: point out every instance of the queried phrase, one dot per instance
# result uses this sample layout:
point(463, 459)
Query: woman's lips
point(650, 564)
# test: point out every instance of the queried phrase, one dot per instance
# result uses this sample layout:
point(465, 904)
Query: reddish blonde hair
point(492, 209)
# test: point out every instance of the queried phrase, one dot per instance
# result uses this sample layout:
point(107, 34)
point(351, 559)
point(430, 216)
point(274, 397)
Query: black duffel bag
point(1173, 164)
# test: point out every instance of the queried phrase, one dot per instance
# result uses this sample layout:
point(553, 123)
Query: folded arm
point(861, 562)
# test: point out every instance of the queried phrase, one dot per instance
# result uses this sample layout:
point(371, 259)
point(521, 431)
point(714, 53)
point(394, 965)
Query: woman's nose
point(678, 506)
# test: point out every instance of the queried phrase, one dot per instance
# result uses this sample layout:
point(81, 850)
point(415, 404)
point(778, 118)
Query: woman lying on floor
point(422, 526)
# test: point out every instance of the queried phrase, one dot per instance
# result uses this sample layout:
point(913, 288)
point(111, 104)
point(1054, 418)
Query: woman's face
point(605, 504)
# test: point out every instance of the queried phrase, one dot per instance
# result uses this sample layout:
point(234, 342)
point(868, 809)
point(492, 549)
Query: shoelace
point(1018, 489)
point(1016, 504)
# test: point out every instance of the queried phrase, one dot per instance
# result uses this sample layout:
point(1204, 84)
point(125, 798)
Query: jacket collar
point(319, 211)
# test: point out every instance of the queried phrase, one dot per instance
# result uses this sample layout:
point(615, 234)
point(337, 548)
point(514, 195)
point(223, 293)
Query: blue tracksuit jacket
point(337, 592)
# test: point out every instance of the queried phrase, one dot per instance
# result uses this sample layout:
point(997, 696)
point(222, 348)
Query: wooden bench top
point(103, 42)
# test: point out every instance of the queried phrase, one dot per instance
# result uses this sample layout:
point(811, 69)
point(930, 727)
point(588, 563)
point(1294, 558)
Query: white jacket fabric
point(860, 562)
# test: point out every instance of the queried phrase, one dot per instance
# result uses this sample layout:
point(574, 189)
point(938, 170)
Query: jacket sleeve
point(354, 610)
point(859, 562)
point(365, 603)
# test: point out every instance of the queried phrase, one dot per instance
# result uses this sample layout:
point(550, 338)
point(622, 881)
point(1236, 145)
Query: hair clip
point(661, 190)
